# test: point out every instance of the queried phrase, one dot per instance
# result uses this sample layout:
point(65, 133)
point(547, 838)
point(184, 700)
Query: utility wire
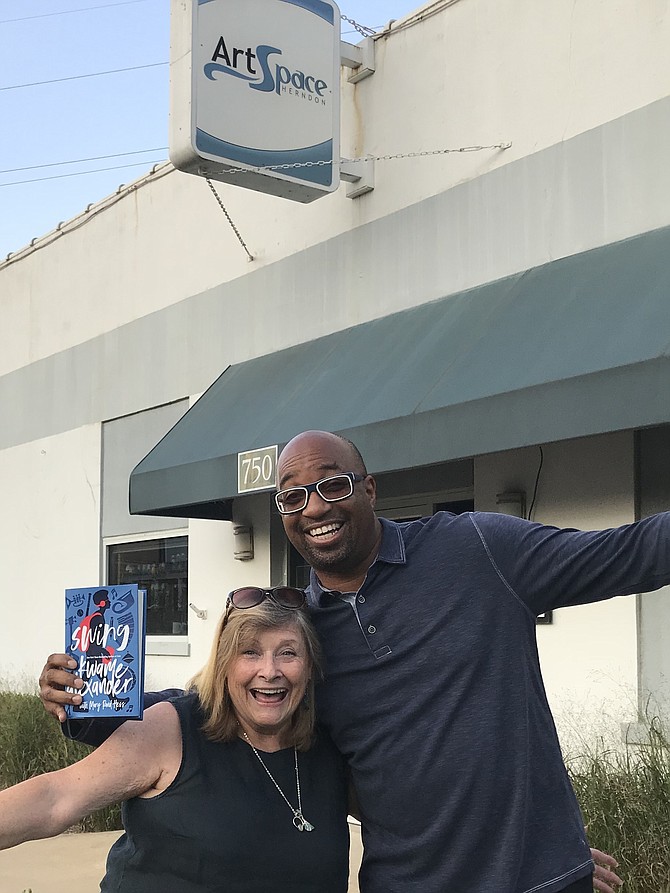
point(65, 12)
point(34, 167)
point(537, 481)
point(77, 77)
point(82, 173)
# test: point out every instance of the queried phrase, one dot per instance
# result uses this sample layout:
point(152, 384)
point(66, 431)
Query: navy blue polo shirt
point(433, 692)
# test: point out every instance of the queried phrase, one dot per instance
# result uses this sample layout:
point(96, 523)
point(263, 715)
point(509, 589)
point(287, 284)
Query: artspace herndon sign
point(255, 84)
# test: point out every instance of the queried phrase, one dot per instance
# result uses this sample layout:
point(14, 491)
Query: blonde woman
point(227, 788)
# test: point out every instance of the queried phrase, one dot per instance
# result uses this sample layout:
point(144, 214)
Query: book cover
point(104, 633)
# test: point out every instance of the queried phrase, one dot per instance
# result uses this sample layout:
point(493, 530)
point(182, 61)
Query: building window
point(161, 567)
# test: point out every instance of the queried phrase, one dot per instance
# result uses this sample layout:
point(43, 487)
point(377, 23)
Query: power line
point(82, 173)
point(34, 167)
point(65, 12)
point(76, 77)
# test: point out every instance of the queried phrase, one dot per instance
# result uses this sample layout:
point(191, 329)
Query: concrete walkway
point(75, 863)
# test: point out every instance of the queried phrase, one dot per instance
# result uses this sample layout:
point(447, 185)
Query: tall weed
point(624, 793)
point(31, 743)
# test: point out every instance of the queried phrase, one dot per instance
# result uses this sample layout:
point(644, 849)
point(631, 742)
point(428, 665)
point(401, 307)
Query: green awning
point(576, 347)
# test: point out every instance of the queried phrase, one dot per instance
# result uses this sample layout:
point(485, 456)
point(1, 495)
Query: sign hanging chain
point(228, 218)
point(398, 155)
point(362, 29)
point(299, 164)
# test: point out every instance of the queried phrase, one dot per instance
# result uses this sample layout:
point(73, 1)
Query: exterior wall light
point(243, 549)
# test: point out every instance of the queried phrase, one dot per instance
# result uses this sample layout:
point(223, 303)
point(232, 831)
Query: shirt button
point(361, 599)
point(372, 629)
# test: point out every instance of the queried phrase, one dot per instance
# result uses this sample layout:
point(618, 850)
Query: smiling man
point(433, 689)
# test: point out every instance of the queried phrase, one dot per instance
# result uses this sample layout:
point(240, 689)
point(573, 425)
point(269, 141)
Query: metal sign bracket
point(359, 176)
point(359, 57)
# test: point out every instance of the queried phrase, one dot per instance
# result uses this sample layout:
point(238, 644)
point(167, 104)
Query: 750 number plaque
point(256, 469)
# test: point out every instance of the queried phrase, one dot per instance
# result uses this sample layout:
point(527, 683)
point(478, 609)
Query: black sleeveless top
point(222, 826)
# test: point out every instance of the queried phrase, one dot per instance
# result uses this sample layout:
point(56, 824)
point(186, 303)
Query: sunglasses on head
point(250, 596)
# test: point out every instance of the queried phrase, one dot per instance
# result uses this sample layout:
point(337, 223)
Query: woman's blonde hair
point(236, 628)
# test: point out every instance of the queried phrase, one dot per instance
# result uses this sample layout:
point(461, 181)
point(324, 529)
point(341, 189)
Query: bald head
point(336, 453)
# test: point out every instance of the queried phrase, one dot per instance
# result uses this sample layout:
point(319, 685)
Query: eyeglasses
point(250, 596)
point(332, 489)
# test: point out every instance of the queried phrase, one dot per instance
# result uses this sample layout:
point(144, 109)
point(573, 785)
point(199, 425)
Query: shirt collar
point(391, 551)
point(392, 548)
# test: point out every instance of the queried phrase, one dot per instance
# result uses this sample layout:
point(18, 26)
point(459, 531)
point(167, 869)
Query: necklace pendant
point(301, 823)
point(299, 820)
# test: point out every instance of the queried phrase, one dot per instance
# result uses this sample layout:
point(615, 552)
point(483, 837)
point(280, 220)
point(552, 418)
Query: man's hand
point(605, 880)
point(56, 675)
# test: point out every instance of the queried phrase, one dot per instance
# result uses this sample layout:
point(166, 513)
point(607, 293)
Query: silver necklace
point(299, 820)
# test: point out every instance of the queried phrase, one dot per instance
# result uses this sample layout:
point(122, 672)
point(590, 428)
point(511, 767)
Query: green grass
point(32, 743)
point(624, 793)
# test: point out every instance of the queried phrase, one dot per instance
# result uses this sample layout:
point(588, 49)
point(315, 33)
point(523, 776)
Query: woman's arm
point(139, 758)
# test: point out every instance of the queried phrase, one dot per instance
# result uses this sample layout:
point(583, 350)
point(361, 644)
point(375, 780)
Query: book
point(104, 633)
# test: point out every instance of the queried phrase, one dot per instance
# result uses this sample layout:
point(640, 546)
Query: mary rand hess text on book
point(104, 632)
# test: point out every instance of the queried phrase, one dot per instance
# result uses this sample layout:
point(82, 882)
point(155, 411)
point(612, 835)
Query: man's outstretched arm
point(56, 676)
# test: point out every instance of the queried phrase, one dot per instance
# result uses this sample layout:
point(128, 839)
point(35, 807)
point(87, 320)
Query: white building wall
point(482, 72)
point(50, 535)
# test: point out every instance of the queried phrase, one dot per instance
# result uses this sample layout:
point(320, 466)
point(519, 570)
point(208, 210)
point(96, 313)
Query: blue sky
point(48, 126)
